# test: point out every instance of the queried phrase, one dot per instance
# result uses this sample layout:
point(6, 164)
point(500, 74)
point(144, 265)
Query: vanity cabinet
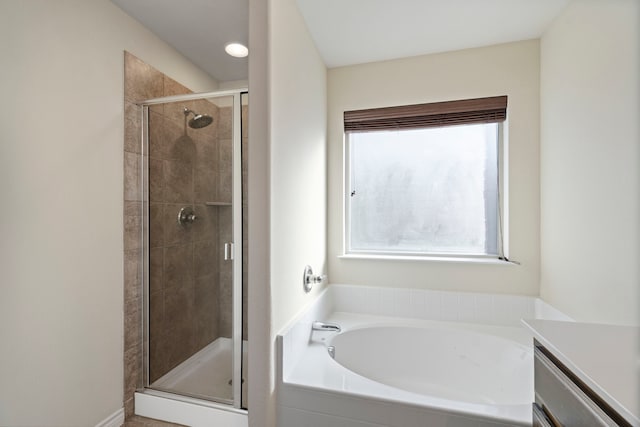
point(562, 399)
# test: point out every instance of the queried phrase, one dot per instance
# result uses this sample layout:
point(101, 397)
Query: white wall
point(261, 404)
point(590, 163)
point(298, 93)
point(509, 69)
point(233, 84)
point(61, 175)
point(297, 138)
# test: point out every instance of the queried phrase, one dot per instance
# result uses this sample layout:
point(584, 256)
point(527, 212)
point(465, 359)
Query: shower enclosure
point(194, 340)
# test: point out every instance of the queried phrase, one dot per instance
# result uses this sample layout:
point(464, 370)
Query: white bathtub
point(426, 358)
point(447, 361)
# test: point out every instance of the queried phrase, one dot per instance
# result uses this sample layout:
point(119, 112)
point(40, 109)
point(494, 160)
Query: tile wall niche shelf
point(217, 203)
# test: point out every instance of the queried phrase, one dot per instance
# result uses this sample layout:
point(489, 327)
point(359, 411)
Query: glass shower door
point(193, 250)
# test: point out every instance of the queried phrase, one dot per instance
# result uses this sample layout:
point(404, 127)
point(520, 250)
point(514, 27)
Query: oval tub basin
point(454, 364)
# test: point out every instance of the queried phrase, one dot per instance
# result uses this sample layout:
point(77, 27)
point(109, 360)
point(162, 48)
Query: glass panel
point(424, 191)
point(190, 231)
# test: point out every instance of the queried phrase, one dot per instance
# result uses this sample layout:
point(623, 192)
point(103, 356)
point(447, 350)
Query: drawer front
point(540, 418)
point(565, 403)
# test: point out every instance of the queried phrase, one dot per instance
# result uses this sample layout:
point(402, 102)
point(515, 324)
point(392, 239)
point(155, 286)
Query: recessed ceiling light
point(236, 49)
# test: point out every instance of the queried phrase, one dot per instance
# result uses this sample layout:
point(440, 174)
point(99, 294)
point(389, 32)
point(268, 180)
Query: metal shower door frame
point(237, 237)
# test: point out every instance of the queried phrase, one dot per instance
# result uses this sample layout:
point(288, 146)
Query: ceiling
point(199, 29)
point(346, 32)
point(349, 32)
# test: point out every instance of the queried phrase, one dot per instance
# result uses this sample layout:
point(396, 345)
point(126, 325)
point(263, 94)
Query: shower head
point(199, 120)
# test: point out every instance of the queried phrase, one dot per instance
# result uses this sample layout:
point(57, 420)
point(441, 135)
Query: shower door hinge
point(228, 251)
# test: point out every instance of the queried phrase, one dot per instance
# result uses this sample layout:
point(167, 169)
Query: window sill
point(455, 259)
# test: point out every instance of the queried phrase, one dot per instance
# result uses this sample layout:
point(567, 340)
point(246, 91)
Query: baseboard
point(114, 420)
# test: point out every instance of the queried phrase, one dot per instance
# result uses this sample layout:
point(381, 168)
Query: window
point(423, 180)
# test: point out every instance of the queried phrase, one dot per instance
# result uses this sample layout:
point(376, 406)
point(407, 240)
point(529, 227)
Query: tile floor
point(137, 421)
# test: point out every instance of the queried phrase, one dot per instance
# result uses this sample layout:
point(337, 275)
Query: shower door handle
point(228, 251)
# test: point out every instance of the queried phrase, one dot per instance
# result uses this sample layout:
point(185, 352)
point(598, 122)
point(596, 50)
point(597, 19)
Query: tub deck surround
point(317, 389)
point(467, 307)
point(317, 372)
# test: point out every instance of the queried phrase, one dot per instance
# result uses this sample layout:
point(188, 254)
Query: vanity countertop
point(605, 357)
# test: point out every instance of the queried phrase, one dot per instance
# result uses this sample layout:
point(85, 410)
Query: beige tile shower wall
point(224, 171)
point(141, 81)
point(183, 275)
point(224, 174)
point(183, 278)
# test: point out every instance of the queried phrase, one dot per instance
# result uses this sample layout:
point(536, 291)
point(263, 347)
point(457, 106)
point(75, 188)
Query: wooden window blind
point(448, 113)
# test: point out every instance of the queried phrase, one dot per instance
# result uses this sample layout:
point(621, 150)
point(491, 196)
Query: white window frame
point(502, 221)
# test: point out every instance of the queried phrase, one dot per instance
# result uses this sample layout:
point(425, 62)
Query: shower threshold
point(188, 393)
point(206, 374)
point(175, 408)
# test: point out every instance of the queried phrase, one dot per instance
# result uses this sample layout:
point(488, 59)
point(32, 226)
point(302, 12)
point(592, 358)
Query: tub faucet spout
point(325, 326)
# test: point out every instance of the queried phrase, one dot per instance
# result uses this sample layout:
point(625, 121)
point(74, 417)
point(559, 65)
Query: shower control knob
point(186, 216)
